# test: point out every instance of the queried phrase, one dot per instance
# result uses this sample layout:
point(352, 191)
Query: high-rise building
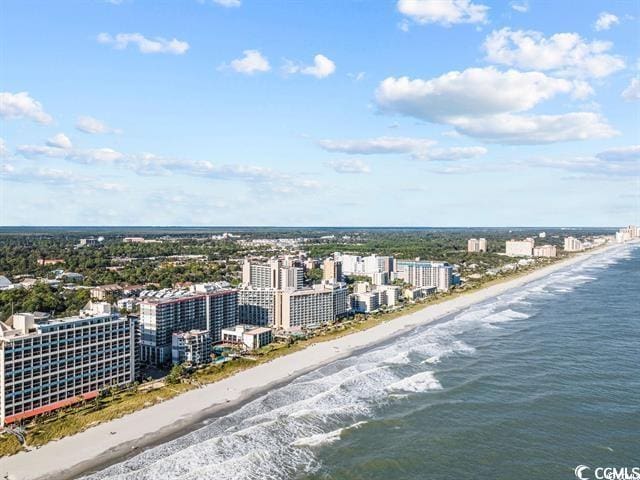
point(257, 306)
point(193, 347)
point(545, 251)
point(476, 245)
point(272, 275)
point(520, 248)
point(46, 364)
point(425, 274)
point(572, 244)
point(291, 277)
point(331, 270)
point(210, 307)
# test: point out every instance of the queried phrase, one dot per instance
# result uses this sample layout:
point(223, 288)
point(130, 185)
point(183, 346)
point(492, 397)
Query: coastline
point(97, 447)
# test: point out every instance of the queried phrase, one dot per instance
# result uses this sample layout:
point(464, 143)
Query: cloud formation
point(566, 54)
point(632, 92)
point(252, 61)
point(22, 105)
point(145, 45)
point(443, 12)
point(322, 67)
point(349, 166)
point(417, 148)
point(92, 125)
point(482, 103)
point(605, 21)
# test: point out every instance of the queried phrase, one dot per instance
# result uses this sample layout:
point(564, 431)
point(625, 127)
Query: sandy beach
point(112, 441)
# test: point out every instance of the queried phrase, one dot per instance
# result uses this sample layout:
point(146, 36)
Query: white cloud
point(417, 148)
point(60, 141)
point(521, 6)
point(88, 124)
point(453, 153)
point(145, 45)
point(356, 77)
point(380, 145)
point(322, 67)
point(615, 163)
point(535, 129)
point(228, 3)
point(349, 165)
point(4, 151)
point(252, 62)
point(474, 92)
point(605, 21)
point(21, 105)
point(481, 102)
point(443, 12)
point(566, 54)
point(621, 154)
point(632, 92)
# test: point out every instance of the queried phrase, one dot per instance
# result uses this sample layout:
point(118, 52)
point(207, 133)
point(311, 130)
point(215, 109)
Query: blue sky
point(243, 112)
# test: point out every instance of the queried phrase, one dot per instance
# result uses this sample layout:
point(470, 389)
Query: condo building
point(192, 347)
point(272, 275)
point(425, 274)
point(46, 364)
point(545, 251)
point(477, 245)
point(520, 248)
point(257, 306)
point(331, 270)
point(210, 307)
point(572, 244)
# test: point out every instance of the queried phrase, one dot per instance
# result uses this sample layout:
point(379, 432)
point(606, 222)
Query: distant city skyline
point(236, 112)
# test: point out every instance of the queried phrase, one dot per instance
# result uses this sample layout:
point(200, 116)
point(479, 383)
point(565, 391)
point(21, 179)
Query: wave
point(420, 382)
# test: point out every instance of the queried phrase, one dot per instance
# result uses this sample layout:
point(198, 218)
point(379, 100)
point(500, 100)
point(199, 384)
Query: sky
point(320, 113)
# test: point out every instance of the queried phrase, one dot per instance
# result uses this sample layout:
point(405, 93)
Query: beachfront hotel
point(425, 274)
point(272, 274)
point(572, 244)
point(210, 307)
point(520, 248)
point(46, 364)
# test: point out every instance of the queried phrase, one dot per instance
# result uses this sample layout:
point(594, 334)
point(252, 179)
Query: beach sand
point(110, 442)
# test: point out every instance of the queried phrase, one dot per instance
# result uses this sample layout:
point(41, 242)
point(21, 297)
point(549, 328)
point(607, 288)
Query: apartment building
point(192, 347)
point(477, 245)
point(331, 270)
point(311, 307)
point(572, 244)
point(208, 307)
point(425, 274)
point(46, 364)
point(272, 274)
point(257, 306)
point(548, 251)
point(520, 248)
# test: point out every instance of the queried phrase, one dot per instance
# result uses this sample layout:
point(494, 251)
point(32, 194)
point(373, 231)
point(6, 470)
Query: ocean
point(529, 384)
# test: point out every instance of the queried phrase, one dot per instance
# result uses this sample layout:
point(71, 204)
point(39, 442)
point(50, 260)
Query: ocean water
point(527, 385)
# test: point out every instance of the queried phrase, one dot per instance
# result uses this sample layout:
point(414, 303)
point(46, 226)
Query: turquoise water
point(527, 385)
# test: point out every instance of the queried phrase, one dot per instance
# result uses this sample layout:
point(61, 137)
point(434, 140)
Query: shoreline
point(98, 447)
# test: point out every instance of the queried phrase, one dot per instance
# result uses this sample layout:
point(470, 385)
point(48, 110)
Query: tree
point(175, 375)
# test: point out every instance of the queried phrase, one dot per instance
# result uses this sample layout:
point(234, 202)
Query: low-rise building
point(417, 293)
point(250, 337)
point(105, 292)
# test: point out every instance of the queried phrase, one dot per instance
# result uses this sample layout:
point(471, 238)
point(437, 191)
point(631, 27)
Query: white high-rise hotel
point(476, 245)
point(425, 274)
point(49, 364)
